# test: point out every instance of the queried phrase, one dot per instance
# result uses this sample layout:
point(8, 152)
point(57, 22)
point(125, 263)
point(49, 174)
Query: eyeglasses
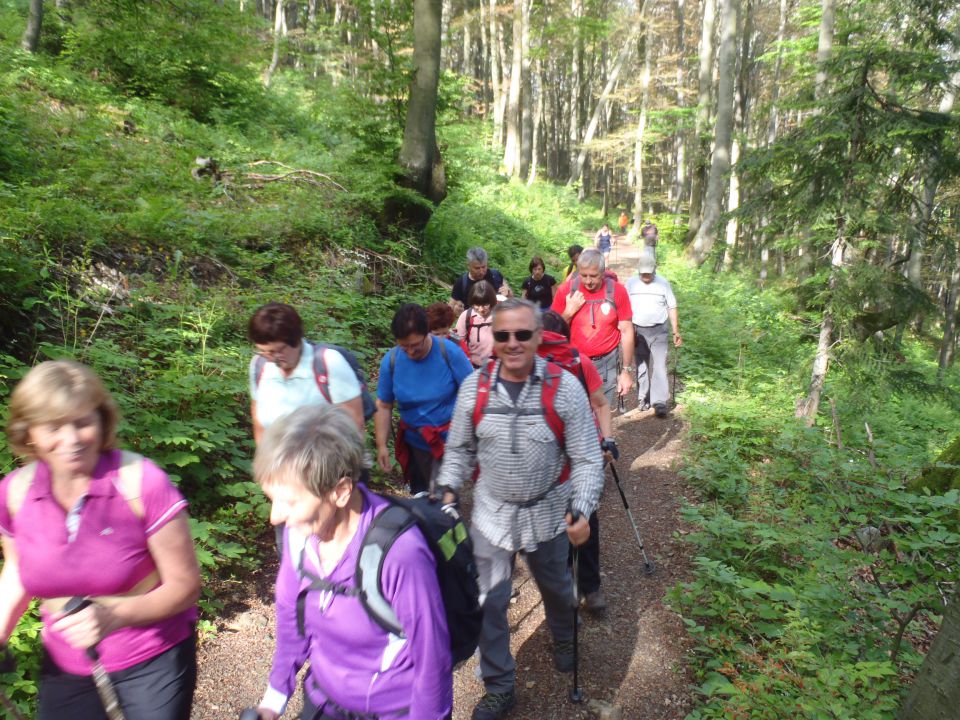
point(272, 353)
point(414, 347)
point(502, 336)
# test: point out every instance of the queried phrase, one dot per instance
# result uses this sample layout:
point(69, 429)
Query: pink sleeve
point(462, 325)
point(161, 499)
point(6, 524)
point(622, 298)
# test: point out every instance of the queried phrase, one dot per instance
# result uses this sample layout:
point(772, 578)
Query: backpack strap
point(384, 530)
point(259, 365)
point(446, 358)
point(129, 483)
point(320, 370)
point(611, 287)
point(484, 380)
point(548, 396)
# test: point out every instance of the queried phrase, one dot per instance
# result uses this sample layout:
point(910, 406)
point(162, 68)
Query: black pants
point(588, 579)
point(160, 688)
point(420, 470)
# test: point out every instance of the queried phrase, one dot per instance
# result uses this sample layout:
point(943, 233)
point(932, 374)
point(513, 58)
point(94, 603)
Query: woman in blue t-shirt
point(422, 375)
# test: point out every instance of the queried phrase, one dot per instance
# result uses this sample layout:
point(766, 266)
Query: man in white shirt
point(653, 305)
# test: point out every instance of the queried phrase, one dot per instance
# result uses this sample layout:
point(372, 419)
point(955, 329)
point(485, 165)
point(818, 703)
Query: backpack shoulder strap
point(550, 385)
point(578, 364)
point(484, 380)
point(611, 287)
point(129, 481)
point(320, 370)
point(259, 365)
point(384, 530)
point(446, 358)
point(574, 282)
point(19, 486)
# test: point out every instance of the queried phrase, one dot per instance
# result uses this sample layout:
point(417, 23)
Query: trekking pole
point(576, 695)
point(8, 665)
point(673, 385)
point(105, 688)
point(648, 566)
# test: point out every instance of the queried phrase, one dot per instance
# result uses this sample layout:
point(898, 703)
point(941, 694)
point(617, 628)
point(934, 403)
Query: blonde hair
point(54, 391)
point(316, 444)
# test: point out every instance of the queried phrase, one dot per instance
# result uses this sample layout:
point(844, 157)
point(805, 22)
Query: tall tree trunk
point(935, 693)
point(494, 51)
point(419, 155)
point(511, 151)
point(723, 130)
point(31, 34)
point(741, 123)
point(538, 125)
point(949, 321)
point(526, 94)
point(701, 141)
point(576, 67)
point(645, 76)
point(601, 103)
point(278, 22)
point(681, 138)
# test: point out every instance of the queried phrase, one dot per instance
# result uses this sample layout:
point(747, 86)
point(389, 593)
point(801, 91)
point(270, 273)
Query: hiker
point(573, 252)
point(308, 464)
point(289, 378)
point(538, 288)
point(623, 222)
point(597, 308)
point(478, 268)
point(556, 347)
point(650, 235)
point(422, 375)
point(604, 241)
point(474, 323)
point(84, 519)
point(653, 304)
point(528, 427)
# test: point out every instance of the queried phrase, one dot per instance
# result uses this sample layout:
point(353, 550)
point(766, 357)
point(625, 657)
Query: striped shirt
point(520, 459)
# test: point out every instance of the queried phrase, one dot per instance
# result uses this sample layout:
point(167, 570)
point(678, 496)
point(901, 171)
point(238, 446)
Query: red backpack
point(548, 394)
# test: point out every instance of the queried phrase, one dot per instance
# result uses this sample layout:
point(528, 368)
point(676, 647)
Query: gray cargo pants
point(548, 565)
point(652, 374)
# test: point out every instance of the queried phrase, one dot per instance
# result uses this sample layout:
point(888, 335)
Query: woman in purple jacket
point(307, 464)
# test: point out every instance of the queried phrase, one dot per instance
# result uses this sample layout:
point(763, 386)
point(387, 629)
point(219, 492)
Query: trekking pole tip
point(649, 567)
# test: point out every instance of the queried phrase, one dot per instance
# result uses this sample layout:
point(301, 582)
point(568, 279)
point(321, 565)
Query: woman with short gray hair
point(308, 464)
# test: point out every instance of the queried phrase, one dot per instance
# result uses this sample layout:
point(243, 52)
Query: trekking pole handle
point(75, 605)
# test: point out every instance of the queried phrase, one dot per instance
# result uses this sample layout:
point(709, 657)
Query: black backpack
point(450, 543)
point(320, 373)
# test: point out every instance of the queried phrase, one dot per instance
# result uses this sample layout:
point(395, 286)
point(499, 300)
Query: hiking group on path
point(383, 596)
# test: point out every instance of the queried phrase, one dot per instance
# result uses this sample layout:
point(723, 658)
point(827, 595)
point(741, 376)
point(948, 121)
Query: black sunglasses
point(504, 335)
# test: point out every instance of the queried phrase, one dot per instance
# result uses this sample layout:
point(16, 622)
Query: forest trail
point(632, 660)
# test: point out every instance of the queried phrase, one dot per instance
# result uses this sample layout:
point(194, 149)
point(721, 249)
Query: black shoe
point(563, 656)
point(595, 604)
point(494, 706)
point(660, 410)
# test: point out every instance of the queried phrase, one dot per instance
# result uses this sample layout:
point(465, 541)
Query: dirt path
point(632, 662)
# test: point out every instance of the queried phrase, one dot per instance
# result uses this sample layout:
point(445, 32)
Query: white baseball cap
point(647, 263)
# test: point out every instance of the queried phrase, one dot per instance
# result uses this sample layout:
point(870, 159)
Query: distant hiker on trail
point(597, 308)
point(623, 222)
point(440, 319)
point(421, 375)
point(478, 269)
point(538, 288)
point(573, 252)
point(604, 241)
point(86, 520)
point(284, 373)
point(653, 304)
point(556, 347)
point(527, 425)
point(475, 325)
point(308, 464)
point(650, 235)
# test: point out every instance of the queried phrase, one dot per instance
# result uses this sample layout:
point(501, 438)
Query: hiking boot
point(494, 706)
point(660, 410)
point(563, 656)
point(595, 603)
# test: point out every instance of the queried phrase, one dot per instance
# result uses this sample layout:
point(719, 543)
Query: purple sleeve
point(161, 499)
point(6, 524)
point(410, 584)
point(291, 649)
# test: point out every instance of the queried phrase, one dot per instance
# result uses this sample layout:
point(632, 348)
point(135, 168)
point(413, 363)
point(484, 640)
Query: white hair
point(591, 257)
point(477, 255)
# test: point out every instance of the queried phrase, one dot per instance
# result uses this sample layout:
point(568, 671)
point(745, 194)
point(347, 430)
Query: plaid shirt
point(520, 459)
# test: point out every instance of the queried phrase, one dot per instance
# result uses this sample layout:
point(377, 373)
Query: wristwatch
point(630, 368)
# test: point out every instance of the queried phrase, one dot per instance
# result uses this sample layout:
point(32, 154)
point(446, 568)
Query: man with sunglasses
point(524, 499)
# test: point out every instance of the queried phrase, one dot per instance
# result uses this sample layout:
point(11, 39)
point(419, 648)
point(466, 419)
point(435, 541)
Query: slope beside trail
point(632, 663)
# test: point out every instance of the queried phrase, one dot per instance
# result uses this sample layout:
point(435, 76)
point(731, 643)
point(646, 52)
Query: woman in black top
point(538, 288)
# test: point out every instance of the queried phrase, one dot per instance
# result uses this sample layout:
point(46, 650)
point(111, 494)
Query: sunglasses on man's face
point(502, 336)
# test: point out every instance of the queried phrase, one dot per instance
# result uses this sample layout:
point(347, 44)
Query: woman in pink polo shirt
point(84, 519)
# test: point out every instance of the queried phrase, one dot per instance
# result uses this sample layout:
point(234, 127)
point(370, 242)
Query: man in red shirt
point(597, 307)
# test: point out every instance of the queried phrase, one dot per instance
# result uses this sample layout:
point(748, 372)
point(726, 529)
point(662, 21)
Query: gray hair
point(316, 444)
point(515, 304)
point(591, 257)
point(477, 255)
